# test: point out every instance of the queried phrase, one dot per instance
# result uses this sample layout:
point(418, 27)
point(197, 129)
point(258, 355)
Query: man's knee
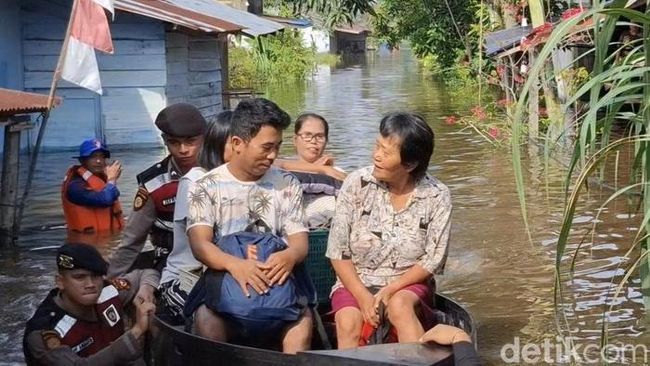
point(208, 324)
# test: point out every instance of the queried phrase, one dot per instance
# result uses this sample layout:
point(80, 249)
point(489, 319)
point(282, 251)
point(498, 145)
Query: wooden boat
point(171, 345)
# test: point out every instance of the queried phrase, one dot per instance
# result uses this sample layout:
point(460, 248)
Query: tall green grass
point(628, 80)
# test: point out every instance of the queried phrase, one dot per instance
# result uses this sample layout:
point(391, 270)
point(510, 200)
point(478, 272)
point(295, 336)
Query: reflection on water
point(505, 280)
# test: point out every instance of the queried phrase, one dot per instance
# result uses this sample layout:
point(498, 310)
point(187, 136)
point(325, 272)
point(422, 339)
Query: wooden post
point(46, 116)
point(10, 173)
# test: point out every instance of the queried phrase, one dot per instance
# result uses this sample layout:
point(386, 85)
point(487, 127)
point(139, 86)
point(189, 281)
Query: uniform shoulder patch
point(51, 339)
point(141, 198)
point(121, 284)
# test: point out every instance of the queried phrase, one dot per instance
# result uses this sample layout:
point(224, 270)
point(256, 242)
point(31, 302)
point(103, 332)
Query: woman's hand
point(384, 295)
point(368, 310)
point(332, 172)
point(325, 160)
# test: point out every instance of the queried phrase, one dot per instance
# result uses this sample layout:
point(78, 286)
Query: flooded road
point(504, 279)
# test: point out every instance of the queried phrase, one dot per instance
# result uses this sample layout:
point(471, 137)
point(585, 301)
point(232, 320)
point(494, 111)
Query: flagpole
point(46, 115)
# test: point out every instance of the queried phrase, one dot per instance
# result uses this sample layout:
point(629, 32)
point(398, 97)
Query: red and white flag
point(88, 30)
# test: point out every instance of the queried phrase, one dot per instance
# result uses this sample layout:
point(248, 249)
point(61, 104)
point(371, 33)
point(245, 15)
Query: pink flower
point(451, 120)
point(494, 132)
point(479, 113)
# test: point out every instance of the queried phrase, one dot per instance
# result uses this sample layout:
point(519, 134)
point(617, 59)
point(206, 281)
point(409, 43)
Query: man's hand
point(332, 172)
point(279, 266)
point(145, 294)
point(368, 310)
point(325, 160)
point(113, 171)
point(384, 295)
point(250, 272)
point(444, 334)
point(144, 311)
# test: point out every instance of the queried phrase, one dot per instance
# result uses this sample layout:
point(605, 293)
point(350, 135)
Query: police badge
point(111, 315)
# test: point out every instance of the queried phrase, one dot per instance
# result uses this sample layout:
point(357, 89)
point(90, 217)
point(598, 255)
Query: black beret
point(80, 256)
point(181, 120)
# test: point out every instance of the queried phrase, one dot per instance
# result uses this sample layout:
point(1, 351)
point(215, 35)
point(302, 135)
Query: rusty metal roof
point(204, 15)
point(18, 102)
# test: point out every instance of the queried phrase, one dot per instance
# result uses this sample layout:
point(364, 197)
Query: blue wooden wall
point(153, 66)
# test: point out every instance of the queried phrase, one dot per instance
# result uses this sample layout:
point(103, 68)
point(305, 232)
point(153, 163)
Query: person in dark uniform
point(182, 127)
point(81, 321)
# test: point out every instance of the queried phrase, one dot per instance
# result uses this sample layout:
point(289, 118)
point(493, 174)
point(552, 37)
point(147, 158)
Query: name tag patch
point(169, 201)
point(83, 345)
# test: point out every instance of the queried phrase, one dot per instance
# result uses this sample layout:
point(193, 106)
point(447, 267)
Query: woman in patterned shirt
point(389, 235)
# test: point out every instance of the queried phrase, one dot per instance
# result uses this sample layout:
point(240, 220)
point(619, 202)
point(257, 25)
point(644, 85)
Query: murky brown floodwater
point(505, 280)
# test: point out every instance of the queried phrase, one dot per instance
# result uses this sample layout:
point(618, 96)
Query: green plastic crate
point(319, 267)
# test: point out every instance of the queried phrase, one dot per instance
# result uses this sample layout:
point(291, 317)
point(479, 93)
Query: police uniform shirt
point(42, 341)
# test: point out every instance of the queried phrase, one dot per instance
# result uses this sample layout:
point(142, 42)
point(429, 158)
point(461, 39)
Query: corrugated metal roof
point(293, 22)
point(18, 102)
point(171, 13)
point(355, 29)
point(204, 15)
point(503, 39)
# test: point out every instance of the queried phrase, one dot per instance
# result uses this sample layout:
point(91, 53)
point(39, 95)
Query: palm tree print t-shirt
point(272, 204)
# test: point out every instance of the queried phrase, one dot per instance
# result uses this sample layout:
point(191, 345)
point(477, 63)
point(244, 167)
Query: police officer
point(81, 322)
point(182, 127)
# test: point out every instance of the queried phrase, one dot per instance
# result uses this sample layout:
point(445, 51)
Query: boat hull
point(171, 345)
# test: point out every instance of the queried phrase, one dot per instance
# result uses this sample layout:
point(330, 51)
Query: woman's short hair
point(305, 116)
point(214, 142)
point(417, 139)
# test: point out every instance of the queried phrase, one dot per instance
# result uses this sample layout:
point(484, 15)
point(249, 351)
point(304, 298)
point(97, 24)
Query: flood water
point(502, 277)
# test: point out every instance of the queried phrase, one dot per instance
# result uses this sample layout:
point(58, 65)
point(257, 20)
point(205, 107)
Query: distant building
point(349, 39)
point(165, 52)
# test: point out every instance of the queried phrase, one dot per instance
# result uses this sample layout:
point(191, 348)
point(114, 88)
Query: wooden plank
point(201, 77)
point(39, 17)
point(176, 54)
point(144, 137)
point(179, 99)
point(131, 62)
point(126, 106)
point(53, 8)
point(179, 67)
point(205, 64)
point(44, 31)
point(108, 79)
point(176, 39)
point(204, 49)
point(176, 91)
point(208, 101)
point(106, 62)
point(139, 31)
point(211, 111)
point(201, 90)
point(122, 47)
point(134, 92)
point(178, 79)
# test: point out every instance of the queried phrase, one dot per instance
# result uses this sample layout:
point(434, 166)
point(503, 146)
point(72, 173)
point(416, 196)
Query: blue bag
point(258, 313)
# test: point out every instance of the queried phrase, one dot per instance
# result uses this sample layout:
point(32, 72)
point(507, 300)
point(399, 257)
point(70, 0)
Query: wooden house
point(166, 51)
